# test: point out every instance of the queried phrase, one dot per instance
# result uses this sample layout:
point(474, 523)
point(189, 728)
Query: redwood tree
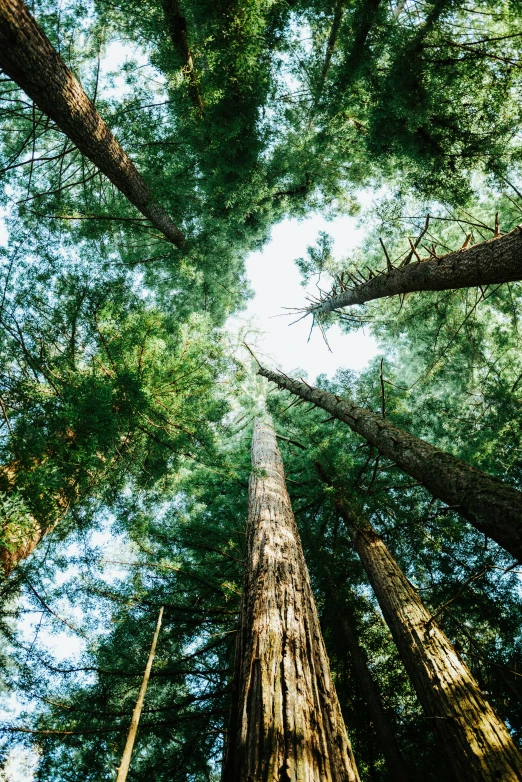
point(28, 57)
point(476, 742)
point(286, 723)
point(492, 506)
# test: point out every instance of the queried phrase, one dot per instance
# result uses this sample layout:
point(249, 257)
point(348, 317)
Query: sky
point(276, 281)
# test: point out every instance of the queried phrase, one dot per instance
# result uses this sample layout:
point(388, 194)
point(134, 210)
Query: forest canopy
point(329, 566)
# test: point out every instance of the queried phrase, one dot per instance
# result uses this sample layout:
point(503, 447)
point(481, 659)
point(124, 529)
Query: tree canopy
point(128, 402)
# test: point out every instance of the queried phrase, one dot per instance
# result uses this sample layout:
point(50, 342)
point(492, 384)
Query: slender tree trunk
point(477, 744)
point(286, 723)
point(397, 769)
point(495, 261)
point(177, 27)
point(28, 57)
point(493, 507)
point(330, 46)
point(136, 714)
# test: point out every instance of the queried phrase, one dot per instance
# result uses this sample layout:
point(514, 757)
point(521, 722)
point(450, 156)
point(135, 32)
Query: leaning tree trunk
point(493, 507)
point(123, 769)
point(28, 57)
point(396, 767)
point(286, 723)
point(495, 261)
point(476, 742)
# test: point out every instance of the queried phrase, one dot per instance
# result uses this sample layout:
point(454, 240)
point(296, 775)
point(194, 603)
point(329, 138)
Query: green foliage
point(100, 388)
point(16, 523)
point(126, 417)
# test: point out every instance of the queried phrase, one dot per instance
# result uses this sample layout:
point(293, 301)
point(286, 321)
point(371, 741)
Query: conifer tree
point(475, 740)
point(99, 389)
point(492, 506)
point(496, 261)
point(28, 57)
point(285, 721)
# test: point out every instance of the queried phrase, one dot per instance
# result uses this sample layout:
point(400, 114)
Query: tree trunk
point(177, 27)
point(363, 23)
point(286, 723)
point(27, 57)
point(18, 542)
point(397, 770)
point(495, 261)
point(136, 714)
point(19, 536)
point(493, 507)
point(477, 744)
point(330, 46)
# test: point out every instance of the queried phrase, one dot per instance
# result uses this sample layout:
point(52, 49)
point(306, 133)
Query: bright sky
point(277, 284)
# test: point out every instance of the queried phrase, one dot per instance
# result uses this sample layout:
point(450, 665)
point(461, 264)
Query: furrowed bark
point(177, 27)
point(492, 506)
point(286, 723)
point(397, 770)
point(476, 742)
point(28, 57)
point(493, 262)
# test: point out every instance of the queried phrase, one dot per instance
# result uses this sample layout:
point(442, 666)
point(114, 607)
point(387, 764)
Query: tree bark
point(286, 723)
point(177, 27)
point(19, 538)
point(397, 770)
point(492, 506)
point(136, 714)
point(17, 545)
point(493, 262)
point(476, 742)
point(28, 57)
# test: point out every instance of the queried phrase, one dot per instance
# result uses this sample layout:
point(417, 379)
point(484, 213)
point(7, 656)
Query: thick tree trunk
point(20, 536)
point(493, 507)
point(477, 744)
point(286, 723)
point(397, 770)
point(495, 261)
point(177, 27)
point(27, 57)
point(18, 542)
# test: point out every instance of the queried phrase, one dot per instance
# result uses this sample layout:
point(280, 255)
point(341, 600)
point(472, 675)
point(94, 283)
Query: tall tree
point(476, 742)
point(396, 767)
point(286, 722)
point(28, 57)
point(492, 506)
point(498, 260)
